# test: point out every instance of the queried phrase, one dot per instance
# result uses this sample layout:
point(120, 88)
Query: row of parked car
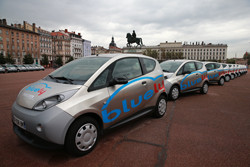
point(6, 68)
point(76, 103)
point(190, 75)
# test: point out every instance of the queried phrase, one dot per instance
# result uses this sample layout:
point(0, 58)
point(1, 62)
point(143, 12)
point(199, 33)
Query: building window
point(7, 32)
point(0, 31)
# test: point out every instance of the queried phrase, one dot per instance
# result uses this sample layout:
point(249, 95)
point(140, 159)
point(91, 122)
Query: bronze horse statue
point(131, 40)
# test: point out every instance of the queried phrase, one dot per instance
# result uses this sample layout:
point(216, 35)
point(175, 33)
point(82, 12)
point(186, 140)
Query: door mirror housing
point(117, 81)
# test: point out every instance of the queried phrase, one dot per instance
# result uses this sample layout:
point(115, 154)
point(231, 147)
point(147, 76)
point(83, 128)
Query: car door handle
point(144, 83)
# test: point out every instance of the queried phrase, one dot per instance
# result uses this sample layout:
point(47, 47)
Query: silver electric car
point(184, 76)
point(73, 105)
point(215, 73)
point(227, 74)
point(232, 71)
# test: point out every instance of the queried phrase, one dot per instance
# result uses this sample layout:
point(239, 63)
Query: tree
point(9, 59)
point(28, 59)
point(70, 59)
point(59, 61)
point(247, 57)
point(45, 60)
point(231, 61)
point(151, 53)
point(163, 54)
point(2, 59)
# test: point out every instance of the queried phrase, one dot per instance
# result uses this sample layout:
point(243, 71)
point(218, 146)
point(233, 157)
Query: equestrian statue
point(132, 39)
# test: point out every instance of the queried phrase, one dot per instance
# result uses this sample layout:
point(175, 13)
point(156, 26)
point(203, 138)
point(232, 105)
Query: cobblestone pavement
point(197, 130)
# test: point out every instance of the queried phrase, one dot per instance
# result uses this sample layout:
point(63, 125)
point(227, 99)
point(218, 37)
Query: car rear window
point(149, 64)
point(217, 65)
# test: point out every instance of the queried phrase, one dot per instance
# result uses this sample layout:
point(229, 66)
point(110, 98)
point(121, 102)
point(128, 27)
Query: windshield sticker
point(40, 91)
point(146, 96)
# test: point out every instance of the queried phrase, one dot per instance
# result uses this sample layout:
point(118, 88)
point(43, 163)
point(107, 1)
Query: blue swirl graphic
point(123, 86)
point(192, 73)
point(46, 85)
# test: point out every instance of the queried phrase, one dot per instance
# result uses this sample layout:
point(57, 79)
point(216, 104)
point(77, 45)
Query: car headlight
point(53, 100)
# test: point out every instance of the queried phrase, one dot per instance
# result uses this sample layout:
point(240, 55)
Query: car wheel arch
point(89, 114)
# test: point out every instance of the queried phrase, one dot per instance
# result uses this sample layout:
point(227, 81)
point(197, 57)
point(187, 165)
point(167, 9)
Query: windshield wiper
point(165, 70)
point(64, 78)
point(52, 77)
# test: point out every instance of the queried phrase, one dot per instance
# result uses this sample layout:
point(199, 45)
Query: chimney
point(19, 26)
point(4, 22)
point(79, 34)
point(34, 27)
point(24, 25)
point(66, 30)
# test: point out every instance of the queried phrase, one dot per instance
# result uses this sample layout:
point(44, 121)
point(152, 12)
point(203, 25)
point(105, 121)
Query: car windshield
point(170, 66)
point(78, 71)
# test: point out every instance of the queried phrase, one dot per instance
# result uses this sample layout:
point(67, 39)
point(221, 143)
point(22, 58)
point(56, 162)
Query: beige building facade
point(17, 41)
point(61, 46)
point(195, 51)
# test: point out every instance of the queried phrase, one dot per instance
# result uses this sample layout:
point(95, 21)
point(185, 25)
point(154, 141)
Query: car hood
point(35, 92)
point(168, 74)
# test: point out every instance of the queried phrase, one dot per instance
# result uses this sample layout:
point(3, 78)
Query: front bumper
point(50, 125)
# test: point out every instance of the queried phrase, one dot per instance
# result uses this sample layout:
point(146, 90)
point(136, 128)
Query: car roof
point(182, 60)
point(120, 55)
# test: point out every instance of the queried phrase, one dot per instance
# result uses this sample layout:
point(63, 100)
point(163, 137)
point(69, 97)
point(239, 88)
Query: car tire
point(227, 78)
point(82, 136)
point(161, 106)
point(204, 88)
point(174, 92)
point(221, 81)
point(232, 77)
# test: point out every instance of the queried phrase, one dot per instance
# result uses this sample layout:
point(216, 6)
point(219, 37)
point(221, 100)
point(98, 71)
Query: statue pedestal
point(132, 50)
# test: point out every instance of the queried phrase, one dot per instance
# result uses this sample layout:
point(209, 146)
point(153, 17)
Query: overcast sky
point(155, 21)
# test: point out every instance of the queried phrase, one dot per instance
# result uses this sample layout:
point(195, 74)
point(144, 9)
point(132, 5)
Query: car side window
point(209, 66)
point(149, 65)
point(101, 81)
point(217, 65)
point(128, 68)
point(189, 67)
point(198, 65)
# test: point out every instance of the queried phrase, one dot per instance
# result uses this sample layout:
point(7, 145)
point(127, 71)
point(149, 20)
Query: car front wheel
point(82, 136)
point(204, 88)
point(161, 106)
point(221, 81)
point(174, 93)
point(227, 78)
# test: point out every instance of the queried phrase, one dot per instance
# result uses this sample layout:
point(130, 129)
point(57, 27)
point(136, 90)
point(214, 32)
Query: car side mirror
point(117, 81)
